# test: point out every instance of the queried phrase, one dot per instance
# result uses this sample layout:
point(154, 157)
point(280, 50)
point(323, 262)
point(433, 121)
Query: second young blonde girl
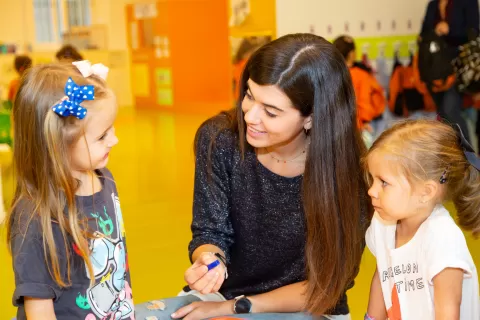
point(424, 268)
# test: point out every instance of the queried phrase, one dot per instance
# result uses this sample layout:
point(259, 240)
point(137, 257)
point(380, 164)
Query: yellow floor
point(153, 166)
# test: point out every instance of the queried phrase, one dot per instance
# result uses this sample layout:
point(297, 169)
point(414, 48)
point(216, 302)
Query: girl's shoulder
point(24, 216)
point(440, 228)
point(27, 226)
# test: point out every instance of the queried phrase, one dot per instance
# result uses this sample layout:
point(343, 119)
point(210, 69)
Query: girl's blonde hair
point(431, 150)
point(41, 153)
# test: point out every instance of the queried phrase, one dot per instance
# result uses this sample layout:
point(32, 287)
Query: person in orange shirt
point(21, 63)
point(370, 95)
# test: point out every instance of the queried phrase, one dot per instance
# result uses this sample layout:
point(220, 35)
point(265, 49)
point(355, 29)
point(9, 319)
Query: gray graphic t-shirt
point(111, 295)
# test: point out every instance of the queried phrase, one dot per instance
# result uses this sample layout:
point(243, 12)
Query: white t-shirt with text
point(406, 273)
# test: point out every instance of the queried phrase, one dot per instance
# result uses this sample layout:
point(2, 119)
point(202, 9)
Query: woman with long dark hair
point(280, 205)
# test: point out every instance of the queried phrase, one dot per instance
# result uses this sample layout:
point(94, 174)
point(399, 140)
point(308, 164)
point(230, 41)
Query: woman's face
point(271, 118)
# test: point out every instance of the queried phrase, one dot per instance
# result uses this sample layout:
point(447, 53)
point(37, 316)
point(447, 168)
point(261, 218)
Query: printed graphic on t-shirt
point(406, 276)
point(394, 312)
point(111, 297)
point(405, 279)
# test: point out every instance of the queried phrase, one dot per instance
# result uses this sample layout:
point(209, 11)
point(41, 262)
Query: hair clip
point(74, 95)
point(443, 178)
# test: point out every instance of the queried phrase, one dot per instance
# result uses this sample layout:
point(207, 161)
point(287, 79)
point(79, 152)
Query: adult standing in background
point(455, 21)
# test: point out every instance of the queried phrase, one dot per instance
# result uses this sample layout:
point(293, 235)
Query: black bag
point(434, 59)
point(467, 67)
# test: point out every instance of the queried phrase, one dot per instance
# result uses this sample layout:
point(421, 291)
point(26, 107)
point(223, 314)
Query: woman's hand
point(204, 310)
point(199, 278)
point(442, 28)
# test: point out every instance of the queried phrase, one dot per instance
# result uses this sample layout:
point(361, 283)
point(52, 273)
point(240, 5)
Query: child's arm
point(35, 289)
point(376, 304)
point(39, 309)
point(447, 286)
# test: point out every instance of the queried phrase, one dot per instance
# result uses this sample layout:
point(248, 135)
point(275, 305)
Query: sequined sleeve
point(211, 205)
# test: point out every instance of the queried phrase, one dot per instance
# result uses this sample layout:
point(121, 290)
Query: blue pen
point(213, 265)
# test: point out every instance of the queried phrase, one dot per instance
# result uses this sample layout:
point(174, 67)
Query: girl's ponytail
point(467, 201)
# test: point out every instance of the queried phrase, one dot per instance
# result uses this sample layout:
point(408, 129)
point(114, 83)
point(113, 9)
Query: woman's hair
point(43, 141)
point(313, 74)
point(68, 52)
point(431, 150)
point(345, 45)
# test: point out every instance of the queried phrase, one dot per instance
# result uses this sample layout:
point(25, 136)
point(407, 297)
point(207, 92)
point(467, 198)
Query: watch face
point(243, 305)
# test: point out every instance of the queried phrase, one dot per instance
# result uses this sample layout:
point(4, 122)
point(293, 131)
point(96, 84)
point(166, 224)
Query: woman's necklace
point(286, 161)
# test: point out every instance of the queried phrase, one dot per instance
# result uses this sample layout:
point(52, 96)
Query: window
point(55, 17)
point(44, 28)
point(78, 12)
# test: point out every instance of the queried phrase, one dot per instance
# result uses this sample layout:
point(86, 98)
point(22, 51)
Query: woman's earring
point(306, 131)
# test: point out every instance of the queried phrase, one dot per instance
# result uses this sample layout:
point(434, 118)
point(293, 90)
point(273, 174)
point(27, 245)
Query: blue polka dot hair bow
point(74, 95)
